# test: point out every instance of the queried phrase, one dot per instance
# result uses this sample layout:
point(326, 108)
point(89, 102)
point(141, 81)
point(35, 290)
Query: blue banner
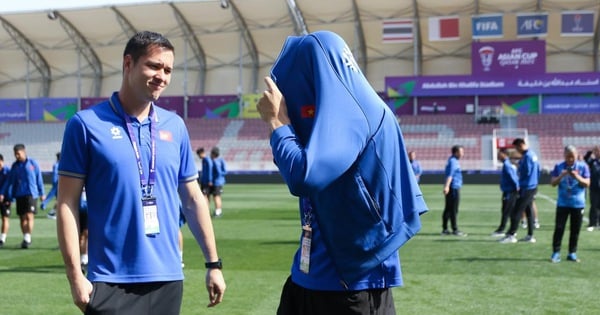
point(570, 104)
point(13, 110)
point(577, 23)
point(532, 24)
point(487, 26)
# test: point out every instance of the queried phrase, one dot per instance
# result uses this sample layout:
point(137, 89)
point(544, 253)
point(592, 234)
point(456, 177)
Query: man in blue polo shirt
point(452, 185)
point(509, 185)
point(340, 150)
point(133, 157)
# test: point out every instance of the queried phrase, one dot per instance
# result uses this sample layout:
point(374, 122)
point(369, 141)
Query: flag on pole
point(398, 30)
point(577, 23)
point(444, 28)
point(532, 24)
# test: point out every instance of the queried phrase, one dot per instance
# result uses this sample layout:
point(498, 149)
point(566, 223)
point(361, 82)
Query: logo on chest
point(116, 133)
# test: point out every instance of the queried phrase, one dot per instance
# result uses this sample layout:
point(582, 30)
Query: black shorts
point(152, 298)
point(296, 300)
point(26, 204)
point(5, 208)
point(83, 221)
point(211, 190)
point(205, 189)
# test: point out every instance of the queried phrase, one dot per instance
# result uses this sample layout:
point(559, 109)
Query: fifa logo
point(486, 54)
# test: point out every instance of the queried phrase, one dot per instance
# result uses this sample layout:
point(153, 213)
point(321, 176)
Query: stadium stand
point(244, 143)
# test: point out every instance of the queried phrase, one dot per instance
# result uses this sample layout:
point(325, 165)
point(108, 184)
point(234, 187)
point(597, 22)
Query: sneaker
point(528, 239)
point(524, 224)
point(459, 233)
point(25, 244)
point(555, 258)
point(51, 214)
point(218, 213)
point(536, 224)
point(498, 234)
point(573, 257)
point(508, 239)
point(590, 229)
point(445, 232)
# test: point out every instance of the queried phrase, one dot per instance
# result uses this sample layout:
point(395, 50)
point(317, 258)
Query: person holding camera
point(572, 178)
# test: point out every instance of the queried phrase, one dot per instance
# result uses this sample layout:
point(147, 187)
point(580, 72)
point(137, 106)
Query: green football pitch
point(257, 237)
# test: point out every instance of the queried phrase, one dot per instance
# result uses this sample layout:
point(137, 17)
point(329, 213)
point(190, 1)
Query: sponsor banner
point(518, 84)
point(13, 109)
point(532, 24)
point(444, 105)
point(213, 106)
point(87, 102)
point(172, 103)
point(508, 57)
point(512, 104)
point(569, 104)
point(444, 28)
point(401, 105)
point(397, 31)
point(52, 109)
point(487, 26)
point(577, 23)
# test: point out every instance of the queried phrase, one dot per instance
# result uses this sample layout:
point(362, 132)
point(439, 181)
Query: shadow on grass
point(477, 259)
point(34, 269)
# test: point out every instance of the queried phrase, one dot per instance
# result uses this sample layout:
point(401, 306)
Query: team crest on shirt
point(116, 132)
point(349, 60)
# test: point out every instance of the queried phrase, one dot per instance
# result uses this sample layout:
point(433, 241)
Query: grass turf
point(257, 237)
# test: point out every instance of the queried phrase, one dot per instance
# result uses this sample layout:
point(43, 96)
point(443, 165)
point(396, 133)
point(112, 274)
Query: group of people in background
point(212, 179)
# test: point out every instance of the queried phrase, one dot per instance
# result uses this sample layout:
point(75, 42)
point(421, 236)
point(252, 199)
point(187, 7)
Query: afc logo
point(533, 24)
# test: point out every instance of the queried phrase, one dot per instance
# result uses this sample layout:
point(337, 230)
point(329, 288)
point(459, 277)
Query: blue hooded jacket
point(345, 152)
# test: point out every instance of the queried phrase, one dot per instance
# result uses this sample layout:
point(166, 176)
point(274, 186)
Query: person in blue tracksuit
point(416, 166)
point(5, 205)
point(52, 213)
point(340, 150)
point(509, 185)
point(219, 170)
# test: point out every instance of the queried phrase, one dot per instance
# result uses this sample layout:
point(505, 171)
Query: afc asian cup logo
point(486, 53)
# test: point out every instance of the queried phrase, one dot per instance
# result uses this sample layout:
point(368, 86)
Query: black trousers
point(509, 200)
point(523, 204)
point(159, 298)
point(562, 214)
point(451, 209)
point(296, 300)
point(594, 208)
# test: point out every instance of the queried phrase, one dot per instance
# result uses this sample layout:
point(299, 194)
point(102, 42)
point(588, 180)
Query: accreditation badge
point(305, 250)
point(151, 225)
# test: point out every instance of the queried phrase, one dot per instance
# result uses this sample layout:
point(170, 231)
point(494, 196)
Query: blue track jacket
point(344, 150)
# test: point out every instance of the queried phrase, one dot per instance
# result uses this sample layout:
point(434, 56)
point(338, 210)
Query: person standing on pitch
point(4, 205)
point(416, 166)
point(452, 186)
point(136, 164)
point(572, 178)
point(340, 150)
point(25, 185)
point(529, 172)
point(509, 185)
point(592, 158)
point(219, 170)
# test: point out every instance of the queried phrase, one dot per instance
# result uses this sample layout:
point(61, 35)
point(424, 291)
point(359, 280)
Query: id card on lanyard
point(306, 235)
point(149, 206)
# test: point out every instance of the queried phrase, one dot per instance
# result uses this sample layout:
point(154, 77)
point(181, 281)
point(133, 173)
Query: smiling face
point(147, 77)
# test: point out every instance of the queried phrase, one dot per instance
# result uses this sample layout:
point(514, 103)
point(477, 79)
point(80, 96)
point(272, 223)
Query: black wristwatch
point(214, 265)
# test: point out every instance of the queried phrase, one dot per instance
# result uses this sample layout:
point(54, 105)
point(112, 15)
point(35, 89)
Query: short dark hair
point(518, 141)
point(138, 45)
point(215, 151)
point(1, 157)
point(455, 148)
point(19, 147)
point(503, 151)
point(200, 150)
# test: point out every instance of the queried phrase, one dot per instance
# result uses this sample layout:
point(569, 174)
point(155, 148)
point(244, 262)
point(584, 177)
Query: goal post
point(502, 138)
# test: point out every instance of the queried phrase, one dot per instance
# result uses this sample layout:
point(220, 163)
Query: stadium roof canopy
point(227, 46)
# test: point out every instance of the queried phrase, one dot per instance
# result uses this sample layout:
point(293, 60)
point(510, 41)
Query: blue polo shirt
point(24, 179)
point(453, 170)
point(570, 193)
point(96, 148)
point(206, 171)
point(218, 171)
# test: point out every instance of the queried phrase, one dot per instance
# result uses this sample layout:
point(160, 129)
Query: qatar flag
point(444, 28)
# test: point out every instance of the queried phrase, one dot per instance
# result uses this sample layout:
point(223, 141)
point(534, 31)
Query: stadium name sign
point(524, 84)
